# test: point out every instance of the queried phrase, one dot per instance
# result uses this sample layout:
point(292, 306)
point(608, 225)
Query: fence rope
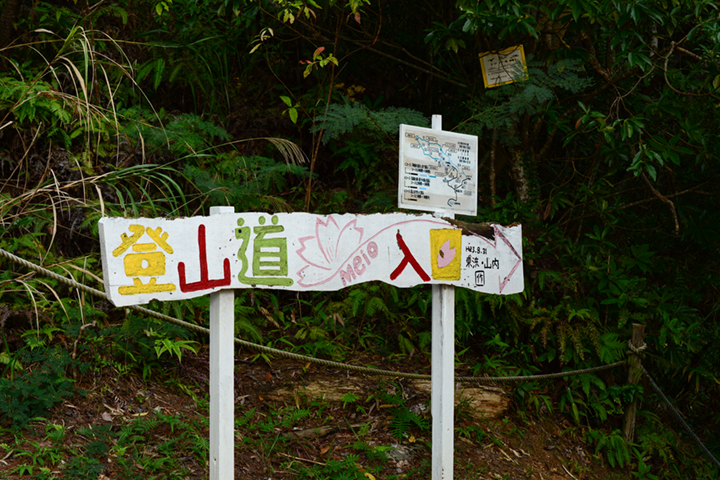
point(296, 356)
point(636, 350)
point(680, 420)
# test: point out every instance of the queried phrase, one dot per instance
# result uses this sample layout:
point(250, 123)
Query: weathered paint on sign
point(146, 259)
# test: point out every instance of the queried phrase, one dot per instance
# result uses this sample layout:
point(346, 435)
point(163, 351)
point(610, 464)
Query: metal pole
point(222, 379)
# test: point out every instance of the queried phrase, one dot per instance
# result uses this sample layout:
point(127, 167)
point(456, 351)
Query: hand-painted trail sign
point(146, 259)
point(171, 259)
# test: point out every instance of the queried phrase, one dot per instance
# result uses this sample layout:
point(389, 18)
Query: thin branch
point(688, 52)
point(411, 65)
point(592, 57)
point(640, 202)
point(664, 199)
point(673, 47)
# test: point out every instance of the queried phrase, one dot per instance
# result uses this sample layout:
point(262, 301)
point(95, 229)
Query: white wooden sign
point(437, 170)
point(171, 259)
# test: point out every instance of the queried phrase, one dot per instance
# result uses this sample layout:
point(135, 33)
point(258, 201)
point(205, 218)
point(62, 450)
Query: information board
point(438, 171)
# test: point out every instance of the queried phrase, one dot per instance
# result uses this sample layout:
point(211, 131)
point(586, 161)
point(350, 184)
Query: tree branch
point(673, 47)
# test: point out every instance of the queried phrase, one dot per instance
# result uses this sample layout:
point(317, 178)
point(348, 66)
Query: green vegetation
point(607, 154)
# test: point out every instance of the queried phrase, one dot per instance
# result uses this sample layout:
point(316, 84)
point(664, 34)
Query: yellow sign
point(445, 253)
point(503, 67)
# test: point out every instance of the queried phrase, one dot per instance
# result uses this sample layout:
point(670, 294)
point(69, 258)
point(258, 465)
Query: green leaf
point(159, 69)
point(644, 59)
point(651, 171)
point(576, 11)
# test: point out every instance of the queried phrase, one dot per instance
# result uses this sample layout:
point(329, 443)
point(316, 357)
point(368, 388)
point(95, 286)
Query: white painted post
point(222, 379)
point(442, 394)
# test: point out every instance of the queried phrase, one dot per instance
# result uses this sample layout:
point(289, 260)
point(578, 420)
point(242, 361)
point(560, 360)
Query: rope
point(636, 350)
point(547, 376)
point(680, 420)
point(374, 371)
point(295, 356)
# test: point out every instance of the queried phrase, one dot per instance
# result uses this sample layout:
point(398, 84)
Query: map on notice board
point(438, 171)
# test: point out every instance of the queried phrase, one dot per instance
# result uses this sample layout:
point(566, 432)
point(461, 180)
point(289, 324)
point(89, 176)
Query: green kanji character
point(269, 259)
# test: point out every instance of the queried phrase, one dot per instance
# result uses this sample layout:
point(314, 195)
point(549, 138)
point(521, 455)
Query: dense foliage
point(606, 151)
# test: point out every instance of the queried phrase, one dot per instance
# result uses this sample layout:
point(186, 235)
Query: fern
point(156, 67)
point(160, 68)
point(246, 328)
point(615, 448)
point(342, 118)
point(406, 346)
point(376, 305)
point(469, 313)
point(115, 11)
point(185, 135)
point(403, 420)
point(501, 107)
point(58, 110)
point(246, 182)
point(294, 417)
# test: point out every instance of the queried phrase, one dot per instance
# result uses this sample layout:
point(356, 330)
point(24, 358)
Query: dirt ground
point(496, 444)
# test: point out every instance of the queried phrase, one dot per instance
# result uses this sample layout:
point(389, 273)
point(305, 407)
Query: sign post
point(222, 379)
point(442, 384)
point(442, 391)
point(438, 173)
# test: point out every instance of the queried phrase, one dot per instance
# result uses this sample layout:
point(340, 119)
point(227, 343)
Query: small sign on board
point(503, 67)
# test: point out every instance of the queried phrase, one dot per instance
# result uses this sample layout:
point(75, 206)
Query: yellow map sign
point(503, 67)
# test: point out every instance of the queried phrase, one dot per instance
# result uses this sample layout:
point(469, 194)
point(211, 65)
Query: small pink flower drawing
point(446, 255)
point(328, 250)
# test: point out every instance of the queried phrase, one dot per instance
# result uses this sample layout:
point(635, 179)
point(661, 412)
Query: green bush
point(37, 387)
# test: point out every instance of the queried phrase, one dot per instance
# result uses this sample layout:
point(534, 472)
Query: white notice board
point(438, 171)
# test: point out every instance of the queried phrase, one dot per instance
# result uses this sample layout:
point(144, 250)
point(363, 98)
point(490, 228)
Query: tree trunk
point(7, 21)
point(520, 176)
